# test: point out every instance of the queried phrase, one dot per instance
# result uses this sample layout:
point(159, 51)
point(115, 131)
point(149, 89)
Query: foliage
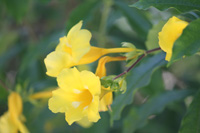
point(152, 96)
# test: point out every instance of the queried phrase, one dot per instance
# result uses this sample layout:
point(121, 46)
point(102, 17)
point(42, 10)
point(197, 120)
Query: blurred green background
point(30, 29)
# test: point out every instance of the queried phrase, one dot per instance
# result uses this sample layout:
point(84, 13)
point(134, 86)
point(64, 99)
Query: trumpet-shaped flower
point(11, 121)
point(106, 95)
point(171, 31)
point(74, 49)
point(78, 95)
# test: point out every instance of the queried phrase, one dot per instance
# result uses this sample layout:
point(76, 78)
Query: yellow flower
point(171, 31)
point(78, 95)
point(106, 95)
point(74, 49)
point(11, 121)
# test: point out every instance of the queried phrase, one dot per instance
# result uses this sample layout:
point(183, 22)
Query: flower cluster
point(80, 94)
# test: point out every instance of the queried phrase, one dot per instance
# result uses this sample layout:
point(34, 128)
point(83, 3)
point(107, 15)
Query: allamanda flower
point(171, 31)
point(74, 49)
point(77, 97)
point(11, 121)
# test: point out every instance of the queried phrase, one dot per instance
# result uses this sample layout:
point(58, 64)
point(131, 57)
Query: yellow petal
point(91, 82)
point(69, 78)
point(22, 128)
point(93, 110)
point(80, 44)
point(171, 31)
point(84, 122)
point(59, 101)
point(57, 61)
point(14, 105)
point(64, 46)
point(73, 31)
point(74, 114)
point(106, 101)
point(79, 41)
point(6, 124)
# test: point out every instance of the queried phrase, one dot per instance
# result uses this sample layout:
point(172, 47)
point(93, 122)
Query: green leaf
point(191, 121)
point(137, 118)
point(137, 78)
point(80, 13)
point(188, 43)
point(156, 86)
point(152, 38)
point(181, 5)
point(138, 21)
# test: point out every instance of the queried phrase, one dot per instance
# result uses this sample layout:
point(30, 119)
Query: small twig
point(138, 60)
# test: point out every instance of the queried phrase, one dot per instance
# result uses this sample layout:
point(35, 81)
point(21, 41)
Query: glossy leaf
point(181, 5)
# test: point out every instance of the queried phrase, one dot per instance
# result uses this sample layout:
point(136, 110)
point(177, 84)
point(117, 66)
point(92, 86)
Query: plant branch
point(138, 60)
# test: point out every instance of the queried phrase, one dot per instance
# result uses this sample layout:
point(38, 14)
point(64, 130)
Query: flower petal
point(93, 110)
point(56, 61)
point(6, 125)
point(64, 46)
point(22, 127)
point(80, 44)
point(74, 114)
point(170, 33)
point(105, 101)
point(14, 106)
point(70, 78)
point(84, 122)
point(59, 101)
point(73, 31)
point(91, 81)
